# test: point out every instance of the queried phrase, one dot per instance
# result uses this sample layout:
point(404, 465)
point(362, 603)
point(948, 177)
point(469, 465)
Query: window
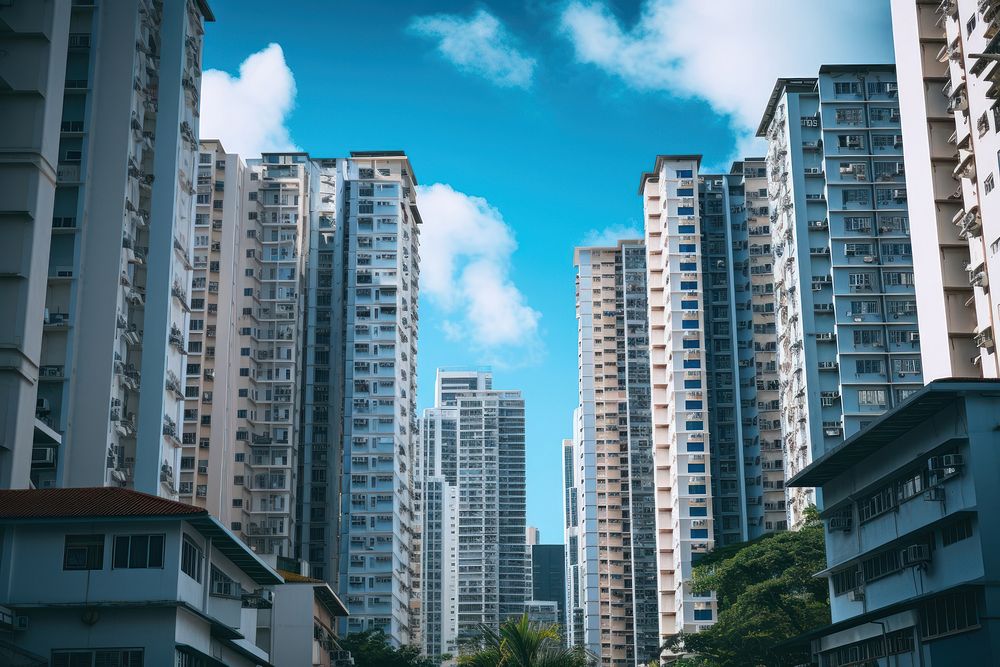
point(703, 614)
point(860, 280)
point(868, 366)
point(957, 531)
point(685, 210)
point(855, 196)
point(684, 173)
point(868, 337)
point(191, 559)
point(858, 224)
point(970, 25)
point(138, 551)
point(949, 613)
point(223, 585)
point(912, 486)
point(852, 141)
point(989, 184)
point(847, 88)
point(83, 552)
point(865, 308)
point(876, 504)
point(907, 366)
point(850, 116)
point(102, 657)
point(872, 398)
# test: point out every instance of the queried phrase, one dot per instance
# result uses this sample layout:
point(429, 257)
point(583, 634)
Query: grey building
point(911, 555)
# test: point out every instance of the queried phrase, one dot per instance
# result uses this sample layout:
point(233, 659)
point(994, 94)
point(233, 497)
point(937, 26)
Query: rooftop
point(88, 502)
point(660, 159)
point(798, 85)
point(890, 426)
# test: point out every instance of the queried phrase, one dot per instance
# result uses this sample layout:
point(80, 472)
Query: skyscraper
point(571, 531)
point(548, 577)
point(474, 444)
point(211, 383)
point(612, 456)
point(378, 270)
point(848, 343)
point(120, 253)
point(682, 457)
point(947, 67)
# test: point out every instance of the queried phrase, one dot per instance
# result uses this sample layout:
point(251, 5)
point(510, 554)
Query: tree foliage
point(371, 648)
point(767, 594)
point(521, 643)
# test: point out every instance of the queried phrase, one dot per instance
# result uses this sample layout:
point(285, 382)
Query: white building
point(112, 576)
point(677, 379)
point(32, 74)
point(946, 61)
point(120, 254)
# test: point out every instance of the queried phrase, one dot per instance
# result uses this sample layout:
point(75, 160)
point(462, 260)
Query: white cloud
point(610, 236)
point(465, 264)
point(248, 112)
point(478, 45)
point(727, 52)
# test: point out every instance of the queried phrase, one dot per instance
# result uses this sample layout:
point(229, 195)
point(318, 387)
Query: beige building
point(611, 456)
point(946, 61)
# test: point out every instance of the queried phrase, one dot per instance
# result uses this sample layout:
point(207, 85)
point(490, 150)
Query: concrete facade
point(907, 504)
point(946, 55)
point(847, 332)
point(32, 75)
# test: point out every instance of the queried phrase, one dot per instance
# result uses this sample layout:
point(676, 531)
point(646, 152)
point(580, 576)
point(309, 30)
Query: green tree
point(767, 594)
point(521, 643)
point(371, 648)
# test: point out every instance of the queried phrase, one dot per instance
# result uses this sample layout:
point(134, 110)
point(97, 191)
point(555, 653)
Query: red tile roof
point(88, 502)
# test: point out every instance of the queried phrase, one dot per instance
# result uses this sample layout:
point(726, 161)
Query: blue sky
point(535, 120)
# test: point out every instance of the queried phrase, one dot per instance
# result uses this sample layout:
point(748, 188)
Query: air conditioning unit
point(42, 405)
point(824, 336)
point(915, 555)
point(914, 337)
point(856, 595)
point(813, 170)
point(868, 259)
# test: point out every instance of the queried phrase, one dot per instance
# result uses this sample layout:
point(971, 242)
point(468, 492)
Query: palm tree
point(521, 643)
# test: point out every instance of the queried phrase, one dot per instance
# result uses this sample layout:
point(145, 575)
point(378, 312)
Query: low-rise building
point(112, 576)
point(302, 624)
point(907, 504)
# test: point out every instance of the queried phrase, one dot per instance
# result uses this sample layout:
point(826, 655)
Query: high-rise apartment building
point(946, 59)
point(759, 384)
point(35, 39)
point(682, 459)
point(848, 342)
point(211, 382)
point(378, 270)
point(120, 254)
point(612, 456)
point(475, 462)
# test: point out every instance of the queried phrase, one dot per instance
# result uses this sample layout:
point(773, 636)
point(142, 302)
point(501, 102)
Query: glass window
point(138, 551)
point(83, 552)
point(191, 559)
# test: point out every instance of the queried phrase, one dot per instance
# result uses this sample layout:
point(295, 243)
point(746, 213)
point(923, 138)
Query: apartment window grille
point(850, 116)
point(876, 504)
point(859, 196)
point(949, 614)
point(956, 531)
point(907, 366)
point(858, 223)
point(104, 657)
point(83, 552)
point(868, 337)
point(847, 88)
